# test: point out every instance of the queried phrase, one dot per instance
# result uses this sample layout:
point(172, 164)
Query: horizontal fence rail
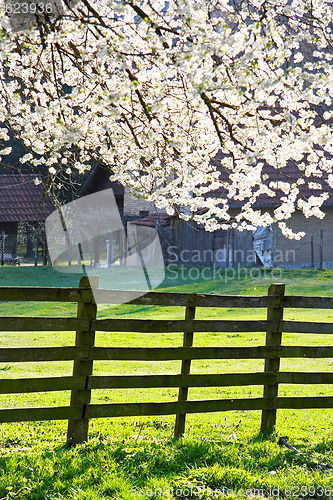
point(46, 384)
point(160, 353)
point(84, 294)
point(37, 354)
point(41, 294)
point(180, 353)
point(84, 353)
point(169, 408)
point(34, 324)
point(206, 406)
point(167, 326)
point(185, 299)
point(31, 324)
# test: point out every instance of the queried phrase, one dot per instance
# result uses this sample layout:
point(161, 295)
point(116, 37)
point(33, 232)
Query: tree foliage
point(153, 89)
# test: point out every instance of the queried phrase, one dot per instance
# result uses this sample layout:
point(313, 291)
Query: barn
point(188, 244)
point(23, 209)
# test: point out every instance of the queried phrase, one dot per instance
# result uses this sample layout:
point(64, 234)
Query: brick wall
point(297, 253)
point(133, 205)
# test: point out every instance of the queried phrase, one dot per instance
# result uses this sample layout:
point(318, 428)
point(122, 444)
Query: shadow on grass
point(109, 467)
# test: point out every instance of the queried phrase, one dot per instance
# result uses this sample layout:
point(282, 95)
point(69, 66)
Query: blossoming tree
point(152, 89)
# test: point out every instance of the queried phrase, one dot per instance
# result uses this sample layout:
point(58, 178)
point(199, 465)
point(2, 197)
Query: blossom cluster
point(153, 89)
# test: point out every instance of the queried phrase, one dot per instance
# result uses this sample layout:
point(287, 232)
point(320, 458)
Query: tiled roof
point(150, 220)
point(21, 199)
point(290, 173)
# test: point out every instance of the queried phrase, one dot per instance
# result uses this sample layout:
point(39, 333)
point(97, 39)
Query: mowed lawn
point(129, 457)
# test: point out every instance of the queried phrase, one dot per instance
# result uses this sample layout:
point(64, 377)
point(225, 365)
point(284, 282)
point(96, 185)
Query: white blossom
point(154, 90)
point(6, 151)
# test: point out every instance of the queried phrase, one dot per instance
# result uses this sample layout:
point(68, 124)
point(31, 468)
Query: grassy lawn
point(138, 457)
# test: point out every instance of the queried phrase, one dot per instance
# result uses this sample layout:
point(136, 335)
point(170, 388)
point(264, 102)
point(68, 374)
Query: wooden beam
point(37, 354)
point(190, 325)
point(273, 339)
point(298, 302)
point(211, 380)
point(25, 385)
point(43, 324)
point(77, 431)
point(183, 299)
point(185, 370)
point(39, 414)
point(205, 406)
point(43, 294)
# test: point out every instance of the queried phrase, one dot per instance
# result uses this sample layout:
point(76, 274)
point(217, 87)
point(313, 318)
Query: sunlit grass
point(128, 456)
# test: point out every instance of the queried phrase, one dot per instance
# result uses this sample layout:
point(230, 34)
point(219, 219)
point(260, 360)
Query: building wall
point(191, 245)
point(133, 205)
point(297, 253)
point(287, 253)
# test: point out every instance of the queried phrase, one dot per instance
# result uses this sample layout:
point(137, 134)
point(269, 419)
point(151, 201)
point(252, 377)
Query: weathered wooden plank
point(305, 378)
point(62, 294)
point(168, 326)
point(185, 370)
point(183, 299)
point(306, 327)
point(305, 352)
point(302, 403)
point(43, 354)
point(170, 408)
point(205, 406)
point(42, 324)
point(141, 409)
point(25, 385)
point(159, 353)
point(147, 381)
point(77, 431)
point(39, 414)
point(178, 353)
point(43, 294)
point(273, 338)
point(297, 302)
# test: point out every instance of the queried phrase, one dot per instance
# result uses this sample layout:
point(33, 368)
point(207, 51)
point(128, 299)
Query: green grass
point(137, 457)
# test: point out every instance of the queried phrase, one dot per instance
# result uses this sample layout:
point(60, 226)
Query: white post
point(108, 253)
point(69, 248)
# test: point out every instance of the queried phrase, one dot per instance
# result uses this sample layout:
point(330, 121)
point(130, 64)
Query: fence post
point(186, 365)
point(78, 429)
point(273, 338)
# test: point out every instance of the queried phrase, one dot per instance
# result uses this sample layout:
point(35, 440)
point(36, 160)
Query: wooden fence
point(84, 352)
